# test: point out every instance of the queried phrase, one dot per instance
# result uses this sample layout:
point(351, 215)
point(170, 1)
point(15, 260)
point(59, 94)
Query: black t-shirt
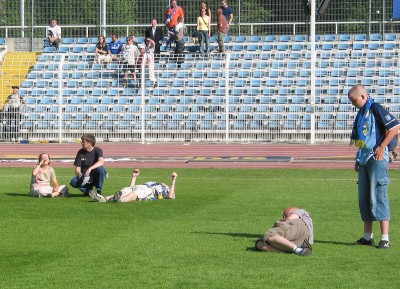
point(85, 159)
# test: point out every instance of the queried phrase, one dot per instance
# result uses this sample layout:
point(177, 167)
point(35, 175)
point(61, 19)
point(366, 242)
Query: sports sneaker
point(305, 252)
point(64, 192)
point(117, 197)
point(384, 245)
point(362, 241)
point(306, 244)
point(97, 197)
point(255, 245)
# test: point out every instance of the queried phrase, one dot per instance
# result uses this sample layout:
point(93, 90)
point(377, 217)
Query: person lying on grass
point(42, 176)
point(292, 234)
point(146, 191)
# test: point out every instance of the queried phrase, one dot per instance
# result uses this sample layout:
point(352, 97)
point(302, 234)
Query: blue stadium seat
point(375, 37)
point(270, 38)
point(300, 38)
point(360, 37)
point(49, 49)
point(63, 49)
point(344, 37)
point(389, 37)
point(240, 39)
point(255, 38)
point(267, 47)
point(77, 49)
point(330, 38)
point(92, 101)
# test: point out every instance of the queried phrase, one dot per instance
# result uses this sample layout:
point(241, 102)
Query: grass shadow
point(242, 235)
point(334, 242)
point(28, 195)
point(18, 194)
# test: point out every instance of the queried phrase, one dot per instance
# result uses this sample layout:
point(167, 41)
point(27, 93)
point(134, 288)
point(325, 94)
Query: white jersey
point(54, 31)
point(14, 100)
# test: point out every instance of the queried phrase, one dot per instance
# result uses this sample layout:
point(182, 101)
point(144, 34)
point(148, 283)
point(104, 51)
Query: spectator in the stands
point(179, 43)
point(222, 29)
point(171, 18)
point(53, 34)
point(101, 50)
point(134, 41)
point(203, 26)
point(147, 55)
point(203, 5)
point(228, 12)
point(14, 112)
point(150, 46)
point(115, 48)
point(156, 34)
point(130, 55)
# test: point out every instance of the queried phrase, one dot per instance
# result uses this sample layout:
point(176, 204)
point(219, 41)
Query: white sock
point(385, 238)
point(368, 236)
point(297, 250)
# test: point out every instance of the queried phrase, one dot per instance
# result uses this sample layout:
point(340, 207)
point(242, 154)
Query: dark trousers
point(97, 178)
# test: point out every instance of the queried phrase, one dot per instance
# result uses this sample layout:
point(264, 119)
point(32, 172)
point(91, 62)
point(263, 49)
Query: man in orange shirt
point(171, 18)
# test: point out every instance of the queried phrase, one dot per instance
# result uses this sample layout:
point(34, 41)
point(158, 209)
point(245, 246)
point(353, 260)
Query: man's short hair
point(89, 138)
point(15, 87)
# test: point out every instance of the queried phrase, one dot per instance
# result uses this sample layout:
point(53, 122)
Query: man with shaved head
point(294, 233)
point(374, 130)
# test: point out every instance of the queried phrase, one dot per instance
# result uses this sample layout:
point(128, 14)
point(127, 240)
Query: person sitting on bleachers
point(101, 50)
point(53, 34)
point(115, 48)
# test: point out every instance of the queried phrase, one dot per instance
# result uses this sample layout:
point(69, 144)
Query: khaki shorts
point(142, 192)
point(295, 231)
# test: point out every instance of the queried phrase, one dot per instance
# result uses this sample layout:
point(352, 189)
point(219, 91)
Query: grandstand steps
point(14, 69)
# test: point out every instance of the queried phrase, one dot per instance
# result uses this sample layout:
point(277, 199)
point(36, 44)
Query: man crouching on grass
point(292, 234)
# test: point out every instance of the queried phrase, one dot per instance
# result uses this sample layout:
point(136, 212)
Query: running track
point(339, 156)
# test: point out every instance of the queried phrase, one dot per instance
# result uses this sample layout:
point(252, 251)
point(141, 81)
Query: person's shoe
point(255, 245)
point(95, 196)
point(305, 252)
point(306, 244)
point(117, 197)
point(64, 192)
point(384, 245)
point(362, 241)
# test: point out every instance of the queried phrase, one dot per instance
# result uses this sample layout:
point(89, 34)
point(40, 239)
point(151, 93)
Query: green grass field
point(202, 239)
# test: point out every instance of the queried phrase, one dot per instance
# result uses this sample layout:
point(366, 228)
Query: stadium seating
point(266, 74)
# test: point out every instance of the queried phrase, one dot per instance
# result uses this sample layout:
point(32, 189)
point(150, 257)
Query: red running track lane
point(339, 156)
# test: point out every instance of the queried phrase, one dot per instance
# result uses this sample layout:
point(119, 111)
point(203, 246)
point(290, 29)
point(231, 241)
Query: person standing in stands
point(222, 29)
point(203, 5)
point(228, 13)
point(13, 112)
point(130, 55)
point(53, 36)
point(203, 26)
point(171, 18)
point(156, 34)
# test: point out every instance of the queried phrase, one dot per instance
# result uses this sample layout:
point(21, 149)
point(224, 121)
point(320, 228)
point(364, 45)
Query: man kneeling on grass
point(292, 234)
point(147, 191)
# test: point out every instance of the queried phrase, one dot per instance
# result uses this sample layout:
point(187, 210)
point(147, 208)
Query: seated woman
point(147, 191)
point(42, 175)
point(101, 52)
